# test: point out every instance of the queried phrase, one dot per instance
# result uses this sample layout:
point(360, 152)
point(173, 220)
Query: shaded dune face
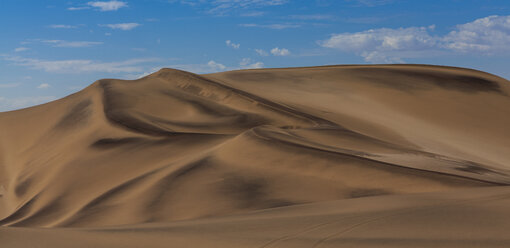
point(179, 146)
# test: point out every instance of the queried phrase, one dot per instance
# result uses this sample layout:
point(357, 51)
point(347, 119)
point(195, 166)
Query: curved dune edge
point(176, 146)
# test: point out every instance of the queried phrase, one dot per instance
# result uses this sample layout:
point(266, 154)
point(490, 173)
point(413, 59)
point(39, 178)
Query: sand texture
point(332, 156)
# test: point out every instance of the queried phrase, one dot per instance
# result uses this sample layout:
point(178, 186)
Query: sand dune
point(334, 156)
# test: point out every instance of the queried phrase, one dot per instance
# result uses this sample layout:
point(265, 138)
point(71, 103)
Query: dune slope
point(180, 154)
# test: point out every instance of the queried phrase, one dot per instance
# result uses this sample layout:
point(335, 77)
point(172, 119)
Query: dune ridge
point(176, 147)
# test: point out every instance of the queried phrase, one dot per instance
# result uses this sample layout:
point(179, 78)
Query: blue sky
point(49, 49)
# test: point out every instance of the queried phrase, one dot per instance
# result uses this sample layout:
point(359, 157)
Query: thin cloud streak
point(270, 26)
point(122, 26)
point(7, 104)
point(72, 44)
point(61, 26)
point(6, 86)
point(82, 66)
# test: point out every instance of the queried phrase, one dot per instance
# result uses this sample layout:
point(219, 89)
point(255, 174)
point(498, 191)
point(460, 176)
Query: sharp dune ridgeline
point(332, 156)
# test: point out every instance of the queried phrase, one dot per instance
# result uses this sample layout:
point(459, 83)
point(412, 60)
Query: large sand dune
point(334, 156)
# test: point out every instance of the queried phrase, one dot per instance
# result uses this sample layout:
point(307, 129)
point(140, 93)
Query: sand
point(332, 156)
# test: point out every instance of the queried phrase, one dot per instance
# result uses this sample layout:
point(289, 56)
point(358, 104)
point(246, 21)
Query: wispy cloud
point(261, 52)
point(247, 63)
point(21, 49)
point(43, 86)
point(372, 3)
point(222, 7)
point(484, 36)
point(275, 52)
point(7, 104)
point(253, 14)
point(270, 26)
point(12, 85)
point(214, 66)
point(61, 26)
point(121, 26)
point(77, 8)
point(365, 20)
point(229, 43)
point(59, 43)
point(280, 52)
point(82, 66)
point(316, 17)
point(71, 44)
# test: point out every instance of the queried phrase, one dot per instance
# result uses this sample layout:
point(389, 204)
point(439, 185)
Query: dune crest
point(176, 146)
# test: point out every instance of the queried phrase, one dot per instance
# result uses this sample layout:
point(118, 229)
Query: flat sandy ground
point(334, 156)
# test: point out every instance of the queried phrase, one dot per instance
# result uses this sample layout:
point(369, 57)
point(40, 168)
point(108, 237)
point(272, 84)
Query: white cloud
point(382, 57)
point(213, 66)
point(121, 26)
point(275, 51)
point(21, 49)
point(107, 5)
point(280, 52)
point(216, 66)
point(382, 39)
point(233, 45)
point(82, 66)
point(383, 45)
point(13, 85)
point(270, 26)
point(489, 35)
point(73, 44)
point(209, 67)
point(61, 26)
point(261, 52)
point(256, 65)
point(141, 75)
point(485, 36)
point(246, 63)
point(43, 86)
point(7, 104)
